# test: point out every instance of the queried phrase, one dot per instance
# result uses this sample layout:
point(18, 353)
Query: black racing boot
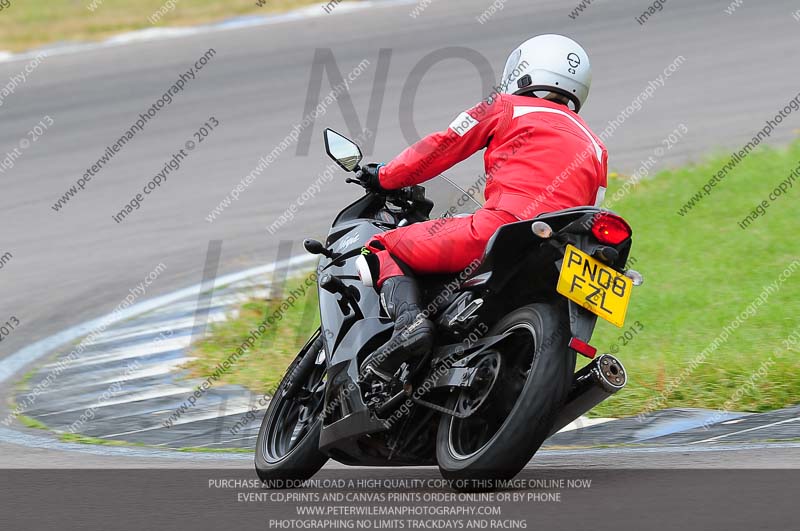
point(413, 331)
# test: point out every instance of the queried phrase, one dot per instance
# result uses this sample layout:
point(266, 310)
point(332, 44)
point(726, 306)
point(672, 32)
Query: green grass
point(27, 23)
point(207, 450)
point(701, 270)
point(31, 422)
point(24, 382)
point(85, 439)
point(262, 367)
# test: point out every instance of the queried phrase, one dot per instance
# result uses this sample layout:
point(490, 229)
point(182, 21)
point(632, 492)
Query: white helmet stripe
point(522, 111)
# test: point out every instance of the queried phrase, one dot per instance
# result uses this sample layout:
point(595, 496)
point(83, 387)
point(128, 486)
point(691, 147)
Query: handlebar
point(411, 199)
point(408, 193)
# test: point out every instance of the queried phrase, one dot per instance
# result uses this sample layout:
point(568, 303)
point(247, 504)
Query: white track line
point(29, 440)
point(712, 439)
point(132, 351)
point(111, 337)
point(16, 362)
point(229, 412)
point(584, 422)
point(164, 392)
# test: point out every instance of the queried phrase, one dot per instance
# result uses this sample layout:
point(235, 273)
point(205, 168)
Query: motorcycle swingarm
point(458, 373)
point(441, 409)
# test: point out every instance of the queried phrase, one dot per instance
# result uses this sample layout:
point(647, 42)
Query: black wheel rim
point(294, 416)
point(468, 436)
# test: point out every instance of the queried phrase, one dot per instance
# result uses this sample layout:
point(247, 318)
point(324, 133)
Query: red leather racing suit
point(540, 157)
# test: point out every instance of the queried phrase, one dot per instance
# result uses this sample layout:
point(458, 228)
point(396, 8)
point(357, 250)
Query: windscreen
point(449, 199)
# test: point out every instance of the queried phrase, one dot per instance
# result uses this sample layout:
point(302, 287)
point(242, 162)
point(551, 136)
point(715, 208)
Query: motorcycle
point(501, 377)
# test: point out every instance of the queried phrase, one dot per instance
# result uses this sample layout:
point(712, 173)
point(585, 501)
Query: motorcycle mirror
point(343, 150)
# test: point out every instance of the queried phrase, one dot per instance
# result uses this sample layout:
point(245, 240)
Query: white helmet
point(549, 66)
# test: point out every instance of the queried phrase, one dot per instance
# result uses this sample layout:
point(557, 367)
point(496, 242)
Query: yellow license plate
point(595, 286)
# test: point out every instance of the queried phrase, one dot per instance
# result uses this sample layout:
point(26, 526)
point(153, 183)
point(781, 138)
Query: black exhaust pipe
point(598, 380)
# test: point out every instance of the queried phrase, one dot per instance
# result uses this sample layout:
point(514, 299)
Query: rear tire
point(501, 436)
point(287, 448)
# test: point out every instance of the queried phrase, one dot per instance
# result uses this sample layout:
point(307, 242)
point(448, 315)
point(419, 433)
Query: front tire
point(510, 423)
point(287, 448)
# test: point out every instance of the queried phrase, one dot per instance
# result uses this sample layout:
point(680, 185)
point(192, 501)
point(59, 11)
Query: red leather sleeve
point(468, 133)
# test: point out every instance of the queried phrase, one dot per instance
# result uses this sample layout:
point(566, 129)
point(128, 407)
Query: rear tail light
point(610, 229)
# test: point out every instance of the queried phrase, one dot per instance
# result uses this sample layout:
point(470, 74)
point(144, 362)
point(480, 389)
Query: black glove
point(368, 177)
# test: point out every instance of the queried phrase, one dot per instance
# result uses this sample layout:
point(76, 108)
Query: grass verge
point(206, 450)
point(23, 383)
point(26, 24)
point(30, 422)
point(262, 366)
point(85, 439)
point(701, 272)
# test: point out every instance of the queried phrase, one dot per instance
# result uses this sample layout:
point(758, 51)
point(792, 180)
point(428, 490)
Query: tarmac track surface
point(76, 264)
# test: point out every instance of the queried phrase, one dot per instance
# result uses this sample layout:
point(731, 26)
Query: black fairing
point(349, 335)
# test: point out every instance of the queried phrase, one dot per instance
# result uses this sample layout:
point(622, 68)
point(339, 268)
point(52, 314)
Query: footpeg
point(466, 313)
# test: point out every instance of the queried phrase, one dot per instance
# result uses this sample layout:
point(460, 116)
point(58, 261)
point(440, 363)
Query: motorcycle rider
point(540, 157)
